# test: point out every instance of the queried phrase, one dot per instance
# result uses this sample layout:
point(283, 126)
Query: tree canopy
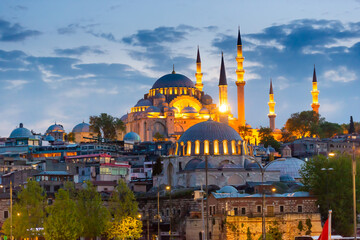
point(266, 138)
point(333, 188)
point(304, 124)
point(106, 126)
point(245, 133)
point(328, 129)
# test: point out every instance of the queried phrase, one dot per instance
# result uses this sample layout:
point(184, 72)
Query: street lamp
point(168, 188)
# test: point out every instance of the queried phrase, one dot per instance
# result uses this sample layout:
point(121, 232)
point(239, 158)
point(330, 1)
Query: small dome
point(192, 164)
point(202, 165)
point(174, 109)
point(204, 111)
point(55, 128)
point(143, 103)
point(173, 80)
point(211, 131)
point(124, 118)
point(81, 127)
point(21, 132)
point(153, 109)
point(206, 99)
point(132, 137)
point(227, 189)
point(160, 96)
point(251, 165)
point(49, 138)
point(188, 110)
point(286, 178)
point(287, 166)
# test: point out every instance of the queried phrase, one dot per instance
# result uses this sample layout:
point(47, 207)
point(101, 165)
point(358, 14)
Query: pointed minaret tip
point(198, 60)
point(314, 75)
point(173, 71)
point(239, 43)
point(222, 79)
point(271, 87)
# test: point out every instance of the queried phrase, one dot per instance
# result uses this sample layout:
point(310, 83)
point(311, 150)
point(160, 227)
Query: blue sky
point(66, 60)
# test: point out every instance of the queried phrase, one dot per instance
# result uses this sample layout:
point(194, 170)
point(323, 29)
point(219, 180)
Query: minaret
point(315, 94)
point(240, 83)
point(271, 103)
point(223, 87)
point(199, 85)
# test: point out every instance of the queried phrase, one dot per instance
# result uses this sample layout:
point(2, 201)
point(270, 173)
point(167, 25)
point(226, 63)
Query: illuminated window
point(176, 149)
point(182, 148)
point(225, 147)
point(197, 147)
point(185, 91)
point(206, 147)
point(188, 148)
point(233, 147)
point(176, 90)
point(171, 91)
point(161, 90)
point(216, 147)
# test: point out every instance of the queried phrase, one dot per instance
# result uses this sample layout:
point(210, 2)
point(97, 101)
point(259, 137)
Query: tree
point(333, 188)
point(266, 138)
point(245, 133)
point(126, 228)
point(308, 226)
point(157, 167)
point(105, 126)
point(28, 212)
point(351, 126)
point(158, 137)
point(304, 124)
point(286, 136)
point(248, 234)
point(328, 129)
point(300, 227)
point(62, 221)
point(123, 202)
point(93, 216)
point(70, 137)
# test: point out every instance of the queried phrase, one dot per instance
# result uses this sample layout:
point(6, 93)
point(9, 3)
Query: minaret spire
point(240, 83)
point(315, 93)
point(223, 95)
point(199, 85)
point(271, 104)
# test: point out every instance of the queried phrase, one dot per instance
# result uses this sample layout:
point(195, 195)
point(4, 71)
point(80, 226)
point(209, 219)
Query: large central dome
point(173, 80)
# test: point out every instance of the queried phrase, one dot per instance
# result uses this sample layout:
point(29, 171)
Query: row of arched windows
point(172, 90)
point(216, 147)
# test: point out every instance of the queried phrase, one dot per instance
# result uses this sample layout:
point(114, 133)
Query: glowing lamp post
point(168, 188)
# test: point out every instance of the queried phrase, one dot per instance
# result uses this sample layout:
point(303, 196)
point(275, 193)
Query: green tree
point(300, 227)
point(126, 228)
point(157, 167)
point(304, 124)
point(248, 234)
point(266, 138)
point(286, 136)
point(245, 133)
point(28, 212)
point(70, 137)
point(308, 226)
point(159, 137)
point(328, 129)
point(123, 202)
point(93, 215)
point(62, 221)
point(351, 126)
point(106, 126)
point(332, 188)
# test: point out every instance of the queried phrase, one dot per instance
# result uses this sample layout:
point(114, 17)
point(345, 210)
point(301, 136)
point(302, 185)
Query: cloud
point(341, 74)
point(78, 51)
point(15, 84)
point(14, 32)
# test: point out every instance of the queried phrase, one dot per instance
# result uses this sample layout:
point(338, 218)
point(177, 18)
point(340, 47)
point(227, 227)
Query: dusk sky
point(66, 60)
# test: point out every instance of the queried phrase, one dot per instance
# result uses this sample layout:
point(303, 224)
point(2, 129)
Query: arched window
point(233, 147)
point(188, 148)
point(197, 147)
point(216, 147)
point(225, 146)
point(206, 147)
point(175, 90)
point(177, 149)
point(171, 91)
point(161, 90)
point(185, 91)
point(182, 148)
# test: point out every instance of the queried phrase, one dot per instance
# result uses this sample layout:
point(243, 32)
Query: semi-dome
point(49, 138)
point(192, 164)
point(174, 109)
point(124, 118)
point(202, 165)
point(227, 189)
point(210, 130)
point(287, 166)
point(206, 99)
point(204, 111)
point(153, 109)
point(55, 128)
point(21, 132)
point(173, 80)
point(132, 137)
point(188, 110)
point(81, 127)
point(160, 96)
point(143, 103)
point(248, 165)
